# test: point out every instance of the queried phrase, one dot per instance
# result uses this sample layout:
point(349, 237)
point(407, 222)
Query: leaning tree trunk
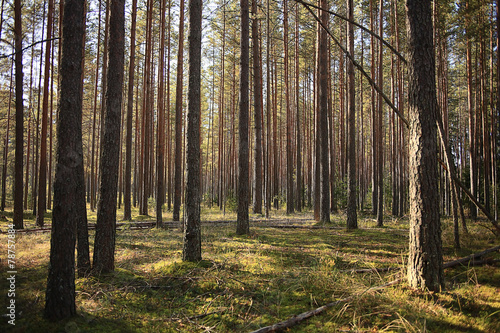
point(69, 184)
point(425, 263)
point(104, 247)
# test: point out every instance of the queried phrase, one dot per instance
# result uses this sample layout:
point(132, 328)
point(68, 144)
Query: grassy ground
point(246, 282)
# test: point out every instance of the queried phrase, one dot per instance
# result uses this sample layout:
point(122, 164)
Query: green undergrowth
point(247, 282)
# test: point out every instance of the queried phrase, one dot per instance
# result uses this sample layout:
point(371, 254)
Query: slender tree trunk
point(178, 119)
point(6, 141)
point(104, 247)
point(472, 125)
point(243, 226)
point(425, 263)
point(127, 208)
point(268, 112)
point(289, 148)
point(93, 158)
point(298, 126)
point(169, 130)
point(18, 163)
point(380, 136)
point(160, 143)
point(82, 230)
point(257, 81)
point(323, 118)
point(373, 119)
point(69, 185)
point(192, 228)
point(42, 179)
point(352, 219)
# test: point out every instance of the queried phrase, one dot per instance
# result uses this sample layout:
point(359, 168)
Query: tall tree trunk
point(323, 117)
point(178, 119)
point(192, 227)
point(82, 230)
point(160, 142)
point(380, 129)
point(352, 218)
point(373, 118)
point(69, 185)
point(289, 148)
point(425, 263)
point(268, 112)
point(104, 247)
point(93, 159)
point(6, 141)
point(257, 90)
point(146, 133)
point(127, 208)
point(42, 179)
point(169, 130)
point(297, 115)
point(18, 163)
point(243, 226)
point(472, 125)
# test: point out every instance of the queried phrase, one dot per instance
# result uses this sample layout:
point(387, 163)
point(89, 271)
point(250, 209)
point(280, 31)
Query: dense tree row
point(318, 107)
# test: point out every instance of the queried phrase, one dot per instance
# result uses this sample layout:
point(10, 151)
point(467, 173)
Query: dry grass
point(246, 282)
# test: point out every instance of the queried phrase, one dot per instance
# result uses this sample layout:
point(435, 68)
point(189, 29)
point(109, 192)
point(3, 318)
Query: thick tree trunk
point(104, 248)
point(425, 263)
point(192, 228)
point(69, 185)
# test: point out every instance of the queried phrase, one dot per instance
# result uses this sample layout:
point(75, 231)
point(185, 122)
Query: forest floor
point(244, 283)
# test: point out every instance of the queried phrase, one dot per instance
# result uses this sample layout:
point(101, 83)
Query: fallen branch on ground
point(305, 315)
point(472, 259)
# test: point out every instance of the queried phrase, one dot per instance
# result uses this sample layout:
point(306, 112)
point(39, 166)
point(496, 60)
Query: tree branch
point(359, 67)
point(357, 25)
point(3, 56)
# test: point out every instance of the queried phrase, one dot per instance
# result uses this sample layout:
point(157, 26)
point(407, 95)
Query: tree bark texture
point(127, 207)
point(352, 219)
point(257, 90)
point(104, 247)
point(323, 118)
point(425, 263)
point(192, 226)
point(18, 164)
point(178, 119)
point(69, 184)
point(243, 177)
